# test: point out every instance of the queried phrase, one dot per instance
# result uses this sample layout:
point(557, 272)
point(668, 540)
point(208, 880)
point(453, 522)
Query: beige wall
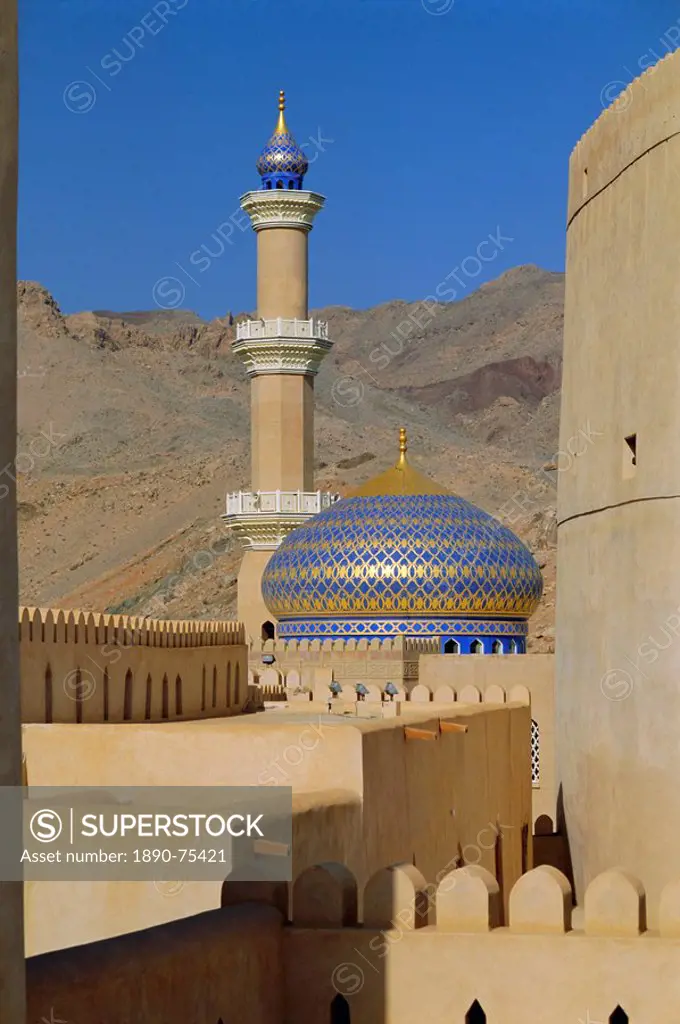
point(365, 793)
point(495, 679)
point(282, 441)
point(224, 965)
point(618, 656)
point(12, 1003)
point(282, 273)
point(425, 952)
point(98, 668)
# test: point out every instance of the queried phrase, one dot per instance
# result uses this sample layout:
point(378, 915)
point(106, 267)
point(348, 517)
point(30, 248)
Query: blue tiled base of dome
point(494, 635)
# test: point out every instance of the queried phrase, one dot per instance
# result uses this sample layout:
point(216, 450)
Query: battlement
point(78, 666)
point(466, 900)
point(62, 626)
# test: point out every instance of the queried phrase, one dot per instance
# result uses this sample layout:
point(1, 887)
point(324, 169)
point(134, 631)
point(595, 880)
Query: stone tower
point(618, 594)
point(282, 350)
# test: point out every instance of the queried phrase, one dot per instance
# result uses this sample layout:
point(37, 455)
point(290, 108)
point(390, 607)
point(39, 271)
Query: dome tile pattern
point(394, 556)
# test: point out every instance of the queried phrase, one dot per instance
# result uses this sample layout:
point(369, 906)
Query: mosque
point(441, 869)
point(398, 557)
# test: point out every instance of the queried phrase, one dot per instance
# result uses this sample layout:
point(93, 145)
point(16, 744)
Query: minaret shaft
point(282, 432)
point(282, 273)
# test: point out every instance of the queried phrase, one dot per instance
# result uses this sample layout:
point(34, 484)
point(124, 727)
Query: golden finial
point(281, 126)
point(403, 444)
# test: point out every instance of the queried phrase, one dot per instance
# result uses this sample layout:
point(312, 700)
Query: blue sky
point(429, 123)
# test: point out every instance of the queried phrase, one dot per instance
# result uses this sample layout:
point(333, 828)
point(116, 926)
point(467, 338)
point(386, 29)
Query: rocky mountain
point(133, 426)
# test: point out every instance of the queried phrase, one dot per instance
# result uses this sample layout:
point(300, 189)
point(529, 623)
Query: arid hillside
point(133, 426)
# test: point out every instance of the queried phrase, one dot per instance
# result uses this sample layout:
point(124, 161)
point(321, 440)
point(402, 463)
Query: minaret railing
point(281, 327)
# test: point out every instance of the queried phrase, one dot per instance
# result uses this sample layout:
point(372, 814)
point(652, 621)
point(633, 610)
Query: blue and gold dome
point(402, 556)
point(282, 163)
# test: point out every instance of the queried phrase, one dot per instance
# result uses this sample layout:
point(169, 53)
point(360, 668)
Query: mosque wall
point(394, 950)
point(618, 608)
point(103, 668)
point(434, 791)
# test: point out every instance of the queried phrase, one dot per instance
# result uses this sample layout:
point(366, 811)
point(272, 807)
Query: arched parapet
point(374, 695)
point(469, 695)
point(519, 695)
point(444, 695)
point(669, 911)
point(543, 826)
point(615, 904)
point(397, 897)
point(420, 694)
point(494, 694)
point(273, 894)
point(541, 901)
point(325, 896)
point(468, 900)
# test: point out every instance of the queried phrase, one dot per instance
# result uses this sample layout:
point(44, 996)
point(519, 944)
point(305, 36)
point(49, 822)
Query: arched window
point(237, 685)
point(618, 1016)
point(476, 647)
point(279, 184)
point(475, 1014)
point(535, 755)
point(166, 699)
point(291, 184)
point(48, 694)
point(127, 697)
point(512, 647)
point(147, 701)
point(340, 1011)
point(451, 647)
point(106, 694)
point(497, 647)
point(268, 630)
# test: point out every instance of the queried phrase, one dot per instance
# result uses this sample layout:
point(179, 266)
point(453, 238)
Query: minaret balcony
point(247, 330)
point(282, 345)
point(262, 519)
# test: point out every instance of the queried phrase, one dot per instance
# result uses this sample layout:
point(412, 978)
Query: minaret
point(282, 351)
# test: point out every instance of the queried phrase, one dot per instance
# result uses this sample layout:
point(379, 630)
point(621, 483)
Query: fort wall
point(365, 793)
point(79, 668)
point(618, 611)
point(394, 950)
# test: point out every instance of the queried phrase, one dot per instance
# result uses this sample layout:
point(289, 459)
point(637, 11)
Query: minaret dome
point(282, 163)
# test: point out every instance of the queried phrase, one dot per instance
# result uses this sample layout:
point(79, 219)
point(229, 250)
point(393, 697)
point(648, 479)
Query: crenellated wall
point(394, 951)
point(78, 667)
point(350, 662)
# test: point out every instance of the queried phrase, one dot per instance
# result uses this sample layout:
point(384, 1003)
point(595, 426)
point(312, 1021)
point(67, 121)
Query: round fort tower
point(282, 350)
point(618, 596)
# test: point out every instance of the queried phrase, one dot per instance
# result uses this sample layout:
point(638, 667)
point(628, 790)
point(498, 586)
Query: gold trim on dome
point(401, 479)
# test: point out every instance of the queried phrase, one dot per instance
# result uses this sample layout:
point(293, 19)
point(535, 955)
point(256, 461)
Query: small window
point(629, 456)
point(476, 647)
point(512, 647)
point(340, 1011)
point(451, 647)
point(475, 1014)
point(268, 630)
point(585, 182)
point(618, 1016)
point(496, 647)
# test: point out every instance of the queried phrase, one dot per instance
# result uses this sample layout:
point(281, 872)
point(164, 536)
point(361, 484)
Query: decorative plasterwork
point(277, 208)
point(282, 355)
point(262, 531)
